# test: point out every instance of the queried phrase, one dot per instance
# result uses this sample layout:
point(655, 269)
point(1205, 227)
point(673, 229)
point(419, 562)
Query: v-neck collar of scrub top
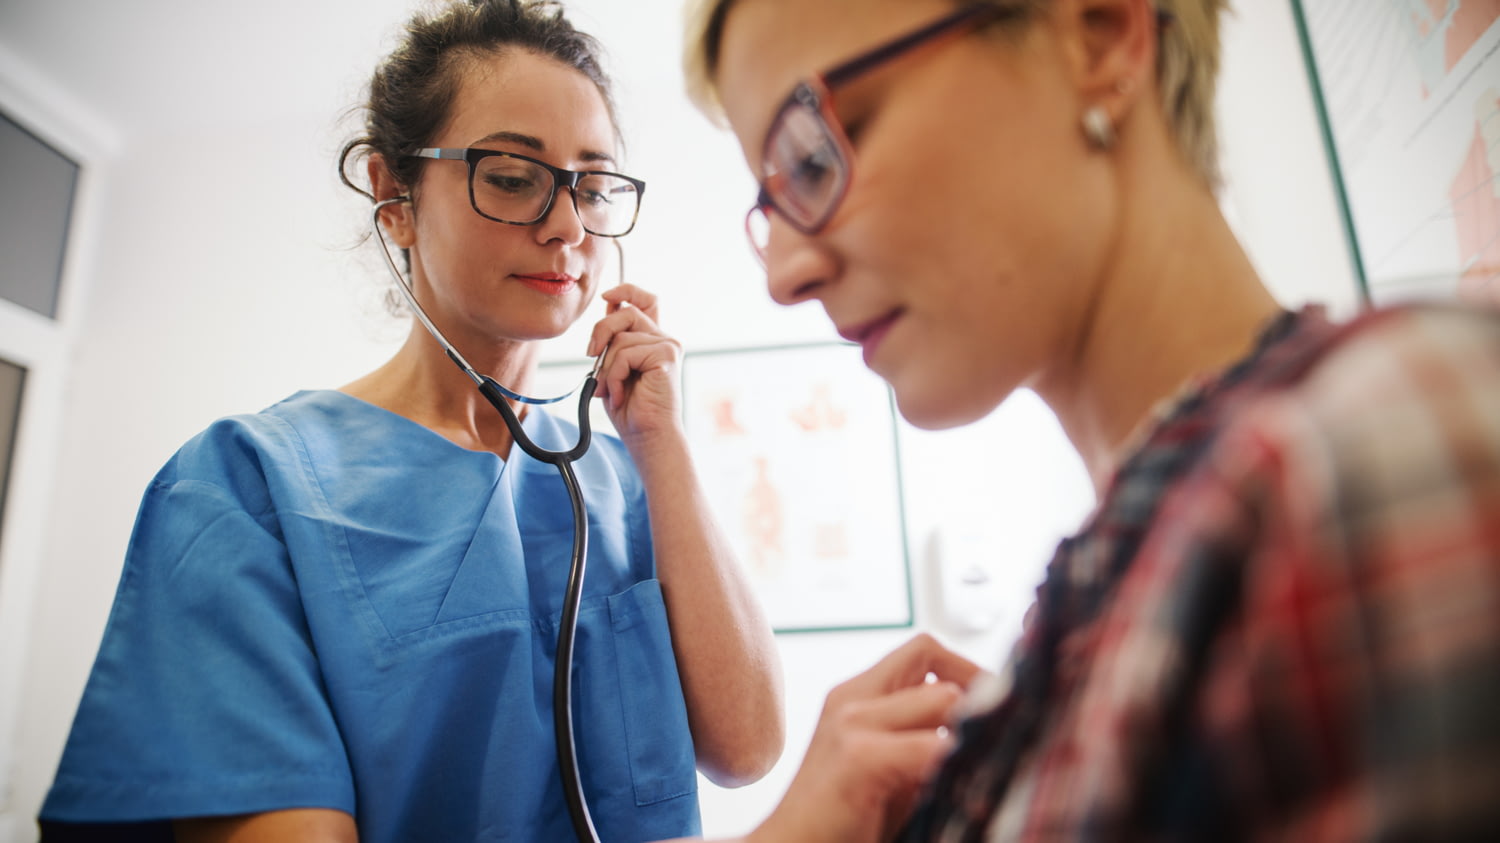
point(543, 428)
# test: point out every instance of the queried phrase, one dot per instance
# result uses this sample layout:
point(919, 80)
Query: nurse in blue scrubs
point(337, 617)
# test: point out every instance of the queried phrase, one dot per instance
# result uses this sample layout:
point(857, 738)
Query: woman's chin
point(927, 409)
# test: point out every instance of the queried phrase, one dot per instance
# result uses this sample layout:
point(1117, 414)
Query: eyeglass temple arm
point(440, 154)
point(859, 64)
point(975, 13)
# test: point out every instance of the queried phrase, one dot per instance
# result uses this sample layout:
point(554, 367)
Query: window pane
point(35, 205)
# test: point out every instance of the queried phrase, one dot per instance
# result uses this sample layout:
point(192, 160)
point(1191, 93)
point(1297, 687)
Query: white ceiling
point(149, 67)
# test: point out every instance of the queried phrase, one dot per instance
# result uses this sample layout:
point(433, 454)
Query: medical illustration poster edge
point(1407, 116)
point(798, 454)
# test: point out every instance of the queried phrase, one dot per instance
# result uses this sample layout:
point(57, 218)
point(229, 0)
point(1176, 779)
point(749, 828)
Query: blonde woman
point(1282, 621)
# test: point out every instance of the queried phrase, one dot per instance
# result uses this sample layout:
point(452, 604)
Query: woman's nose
point(796, 267)
point(562, 221)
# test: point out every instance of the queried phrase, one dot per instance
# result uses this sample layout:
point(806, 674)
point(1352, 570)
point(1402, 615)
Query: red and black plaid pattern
point(1283, 620)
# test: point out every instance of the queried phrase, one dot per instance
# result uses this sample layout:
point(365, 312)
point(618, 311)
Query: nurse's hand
point(639, 381)
point(881, 736)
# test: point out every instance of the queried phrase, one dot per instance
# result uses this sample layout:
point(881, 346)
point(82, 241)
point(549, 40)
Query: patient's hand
point(881, 736)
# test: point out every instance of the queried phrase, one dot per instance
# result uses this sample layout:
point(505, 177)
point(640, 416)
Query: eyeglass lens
point(805, 169)
point(807, 165)
point(514, 190)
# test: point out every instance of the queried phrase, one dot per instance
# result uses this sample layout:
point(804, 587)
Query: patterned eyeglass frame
point(560, 178)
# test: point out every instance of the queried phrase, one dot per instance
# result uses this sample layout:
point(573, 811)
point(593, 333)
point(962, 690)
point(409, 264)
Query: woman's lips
point(550, 283)
point(871, 334)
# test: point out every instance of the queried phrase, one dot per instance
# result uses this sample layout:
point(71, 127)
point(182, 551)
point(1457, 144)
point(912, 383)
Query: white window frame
point(44, 348)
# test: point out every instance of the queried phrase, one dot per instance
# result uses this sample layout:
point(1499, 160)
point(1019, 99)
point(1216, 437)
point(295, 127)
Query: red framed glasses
point(807, 161)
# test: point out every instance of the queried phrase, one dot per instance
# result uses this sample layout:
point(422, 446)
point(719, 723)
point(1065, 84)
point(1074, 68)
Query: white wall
point(216, 279)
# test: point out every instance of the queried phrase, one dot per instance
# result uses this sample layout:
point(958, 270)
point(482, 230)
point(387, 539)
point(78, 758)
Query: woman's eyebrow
point(529, 141)
point(593, 156)
point(536, 144)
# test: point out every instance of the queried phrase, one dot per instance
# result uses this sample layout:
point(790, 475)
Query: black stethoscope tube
point(562, 672)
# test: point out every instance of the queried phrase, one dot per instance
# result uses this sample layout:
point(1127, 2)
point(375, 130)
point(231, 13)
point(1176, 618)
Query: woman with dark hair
point(338, 617)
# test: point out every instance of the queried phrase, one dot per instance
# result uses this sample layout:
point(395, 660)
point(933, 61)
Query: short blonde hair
point(1187, 68)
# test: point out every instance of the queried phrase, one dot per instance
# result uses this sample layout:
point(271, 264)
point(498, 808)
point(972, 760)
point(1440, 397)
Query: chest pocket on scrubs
point(649, 698)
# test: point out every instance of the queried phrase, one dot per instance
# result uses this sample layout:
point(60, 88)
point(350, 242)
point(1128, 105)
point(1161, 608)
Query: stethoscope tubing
point(562, 672)
point(500, 398)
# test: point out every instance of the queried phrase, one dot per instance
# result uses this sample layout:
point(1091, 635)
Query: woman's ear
point(1114, 49)
point(397, 216)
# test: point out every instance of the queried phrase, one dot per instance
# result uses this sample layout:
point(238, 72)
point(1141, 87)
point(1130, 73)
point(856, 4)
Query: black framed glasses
point(806, 162)
point(517, 190)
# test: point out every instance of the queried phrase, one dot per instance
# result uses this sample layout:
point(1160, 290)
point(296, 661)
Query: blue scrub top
point(328, 605)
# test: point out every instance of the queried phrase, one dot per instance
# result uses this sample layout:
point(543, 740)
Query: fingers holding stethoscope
point(625, 307)
point(629, 309)
point(623, 294)
point(638, 376)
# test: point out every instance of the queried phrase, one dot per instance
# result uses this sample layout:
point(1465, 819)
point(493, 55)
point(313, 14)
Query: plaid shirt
point(1283, 620)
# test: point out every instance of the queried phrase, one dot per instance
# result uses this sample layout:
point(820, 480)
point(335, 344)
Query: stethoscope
point(497, 395)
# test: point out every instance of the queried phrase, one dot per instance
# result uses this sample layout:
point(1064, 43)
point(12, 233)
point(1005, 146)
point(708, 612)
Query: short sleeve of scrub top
point(327, 605)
